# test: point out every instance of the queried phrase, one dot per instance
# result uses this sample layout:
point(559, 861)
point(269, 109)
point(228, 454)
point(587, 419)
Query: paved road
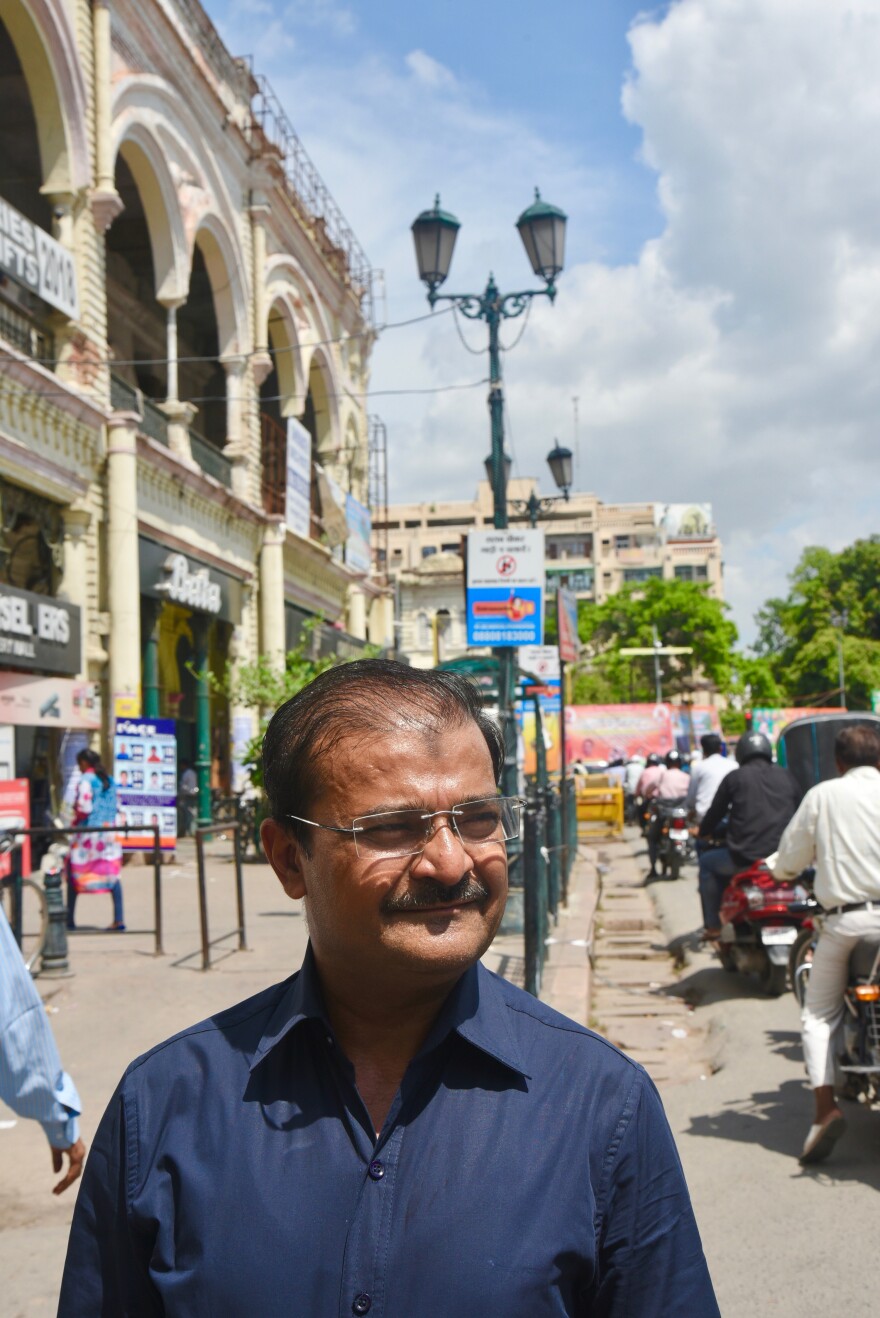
point(779, 1239)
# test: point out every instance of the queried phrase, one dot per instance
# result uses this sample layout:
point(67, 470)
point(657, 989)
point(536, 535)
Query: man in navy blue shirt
point(393, 1130)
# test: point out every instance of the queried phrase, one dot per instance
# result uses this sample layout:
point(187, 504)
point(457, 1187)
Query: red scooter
point(761, 918)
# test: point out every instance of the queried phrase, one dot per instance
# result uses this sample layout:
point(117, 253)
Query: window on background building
point(692, 572)
point(423, 632)
point(621, 542)
point(452, 548)
point(409, 525)
point(428, 551)
point(636, 574)
point(397, 553)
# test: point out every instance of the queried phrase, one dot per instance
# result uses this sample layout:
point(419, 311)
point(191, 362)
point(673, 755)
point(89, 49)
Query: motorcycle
point(674, 845)
point(761, 918)
point(859, 1056)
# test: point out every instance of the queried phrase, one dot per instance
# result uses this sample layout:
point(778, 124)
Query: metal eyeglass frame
point(429, 832)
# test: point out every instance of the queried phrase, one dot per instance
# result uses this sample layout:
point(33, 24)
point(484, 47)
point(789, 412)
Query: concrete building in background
point(176, 285)
point(591, 547)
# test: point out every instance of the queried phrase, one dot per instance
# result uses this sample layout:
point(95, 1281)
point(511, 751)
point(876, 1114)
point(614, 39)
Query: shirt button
point(377, 1170)
point(361, 1304)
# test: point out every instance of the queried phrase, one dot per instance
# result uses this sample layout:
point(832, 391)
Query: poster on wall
point(505, 588)
point(15, 813)
point(49, 702)
point(298, 483)
point(357, 546)
point(145, 771)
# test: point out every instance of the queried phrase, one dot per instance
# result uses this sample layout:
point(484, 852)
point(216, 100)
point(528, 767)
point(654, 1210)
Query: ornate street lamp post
point(559, 462)
point(542, 230)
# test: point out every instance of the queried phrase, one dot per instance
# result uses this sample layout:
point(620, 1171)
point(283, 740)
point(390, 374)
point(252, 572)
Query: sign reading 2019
point(505, 580)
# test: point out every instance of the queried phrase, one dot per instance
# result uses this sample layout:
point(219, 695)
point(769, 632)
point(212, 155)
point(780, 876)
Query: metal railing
point(27, 335)
point(53, 955)
point(549, 851)
point(209, 831)
point(210, 459)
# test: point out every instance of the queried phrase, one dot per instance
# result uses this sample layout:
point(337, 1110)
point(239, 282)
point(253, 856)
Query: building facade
point(176, 287)
point(591, 547)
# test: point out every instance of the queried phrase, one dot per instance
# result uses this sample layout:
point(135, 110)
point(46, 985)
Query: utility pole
point(656, 650)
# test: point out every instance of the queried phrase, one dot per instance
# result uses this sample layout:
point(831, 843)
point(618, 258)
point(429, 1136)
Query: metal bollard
point(54, 963)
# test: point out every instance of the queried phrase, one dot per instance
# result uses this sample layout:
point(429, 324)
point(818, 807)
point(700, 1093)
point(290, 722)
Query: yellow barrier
point(601, 809)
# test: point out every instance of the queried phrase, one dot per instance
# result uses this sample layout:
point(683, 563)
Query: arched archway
point(46, 55)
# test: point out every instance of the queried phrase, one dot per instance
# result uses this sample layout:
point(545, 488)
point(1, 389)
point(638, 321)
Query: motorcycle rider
point(707, 775)
point(837, 829)
point(650, 777)
point(672, 787)
point(758, 801)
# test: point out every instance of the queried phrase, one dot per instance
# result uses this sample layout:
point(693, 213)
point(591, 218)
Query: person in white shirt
point(837, 829)
point(706, 775)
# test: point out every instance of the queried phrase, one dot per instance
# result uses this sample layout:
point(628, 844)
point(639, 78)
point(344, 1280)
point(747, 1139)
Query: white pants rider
point(824, 1007)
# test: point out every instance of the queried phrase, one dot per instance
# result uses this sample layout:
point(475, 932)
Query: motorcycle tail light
point(754, 896)
point(867, 992)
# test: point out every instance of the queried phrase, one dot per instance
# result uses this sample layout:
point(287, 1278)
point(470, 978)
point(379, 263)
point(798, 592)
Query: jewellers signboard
point(33, 258)
point(505, 588)
point(38, 632)
point(168, 574)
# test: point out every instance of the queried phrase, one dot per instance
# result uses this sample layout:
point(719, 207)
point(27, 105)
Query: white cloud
point(735, 359)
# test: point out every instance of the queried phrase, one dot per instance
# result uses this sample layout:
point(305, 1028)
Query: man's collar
point(475, 1010)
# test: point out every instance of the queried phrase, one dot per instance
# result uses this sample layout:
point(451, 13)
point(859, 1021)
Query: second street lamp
point(542, 230)
point(559, 462)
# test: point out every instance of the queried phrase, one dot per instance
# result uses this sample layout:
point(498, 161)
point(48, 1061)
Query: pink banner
point(610, 732)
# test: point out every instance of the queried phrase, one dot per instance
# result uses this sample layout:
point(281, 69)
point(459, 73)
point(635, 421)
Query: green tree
point(684, 614)
point(798, 636)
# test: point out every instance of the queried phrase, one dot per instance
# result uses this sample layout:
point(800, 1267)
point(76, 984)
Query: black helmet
point(653, 760)
point(751, 745)
point(673, 760)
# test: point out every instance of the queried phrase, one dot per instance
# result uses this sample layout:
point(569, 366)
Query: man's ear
point(285, 854)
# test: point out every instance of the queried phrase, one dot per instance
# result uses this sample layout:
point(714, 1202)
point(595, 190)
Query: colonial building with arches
point(178, 294)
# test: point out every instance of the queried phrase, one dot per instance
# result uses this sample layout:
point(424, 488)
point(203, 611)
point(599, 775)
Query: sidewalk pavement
point(122, 999)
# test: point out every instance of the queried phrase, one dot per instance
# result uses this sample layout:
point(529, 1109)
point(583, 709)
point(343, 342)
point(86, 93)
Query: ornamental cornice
point(55, 393)
point(191, 482)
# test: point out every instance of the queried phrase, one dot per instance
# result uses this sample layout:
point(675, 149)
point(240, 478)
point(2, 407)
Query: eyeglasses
point(407, 832)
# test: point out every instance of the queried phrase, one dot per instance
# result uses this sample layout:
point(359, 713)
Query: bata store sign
point(168, 574)
point(37, 631)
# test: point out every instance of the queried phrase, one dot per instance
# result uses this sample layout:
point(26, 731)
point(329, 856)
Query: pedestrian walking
point(32, 1081)
point(393, 1129)
point(95, 858)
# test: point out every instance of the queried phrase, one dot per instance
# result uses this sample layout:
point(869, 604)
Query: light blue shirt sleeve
point(32, 1080)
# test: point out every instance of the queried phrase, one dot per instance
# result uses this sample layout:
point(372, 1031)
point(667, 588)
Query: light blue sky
point(719, 315)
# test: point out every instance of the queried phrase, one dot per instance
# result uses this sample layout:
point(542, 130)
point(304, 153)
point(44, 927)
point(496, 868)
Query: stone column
point(122, 557)
point(180, 415)
point(382, 622)
point(236, 446)
point(74, 572)
point(106, 202)
point(357, 613)
point(261, 362)
point(272, 636)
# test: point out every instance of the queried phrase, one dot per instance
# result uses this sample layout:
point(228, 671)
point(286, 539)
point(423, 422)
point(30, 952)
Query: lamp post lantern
point(559, 462)
point(542, 230)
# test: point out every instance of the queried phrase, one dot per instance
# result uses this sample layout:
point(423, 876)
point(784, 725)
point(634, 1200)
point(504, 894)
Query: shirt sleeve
point(107, 1266)
point(691, 799)
point(650, 1258)
point(797, 847)
point(32, 1081)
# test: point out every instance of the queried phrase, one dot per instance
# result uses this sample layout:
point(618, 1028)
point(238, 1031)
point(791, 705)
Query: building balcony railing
point(26, 335)
point(212, 462)
point(125, 397)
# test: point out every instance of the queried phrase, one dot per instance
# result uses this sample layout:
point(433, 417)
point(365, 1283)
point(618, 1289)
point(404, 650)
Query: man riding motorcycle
point(758, 800)
point(649, 778)
point(672, 786)
point(707, 775)
point(837, 829)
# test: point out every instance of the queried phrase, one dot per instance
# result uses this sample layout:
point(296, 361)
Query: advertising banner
point(567, 625)
point(693, 722)
point(15, 813)
point(601, 733)
point(525, 717)
point(49, 702)
point(357, 546)
point(33, 258)
point(298, 483)
point(772, 721)
point(684, 521)
point(145, 770)
point(505, 588)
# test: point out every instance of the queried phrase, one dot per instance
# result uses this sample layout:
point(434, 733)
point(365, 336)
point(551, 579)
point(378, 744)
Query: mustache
point(430, 893)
